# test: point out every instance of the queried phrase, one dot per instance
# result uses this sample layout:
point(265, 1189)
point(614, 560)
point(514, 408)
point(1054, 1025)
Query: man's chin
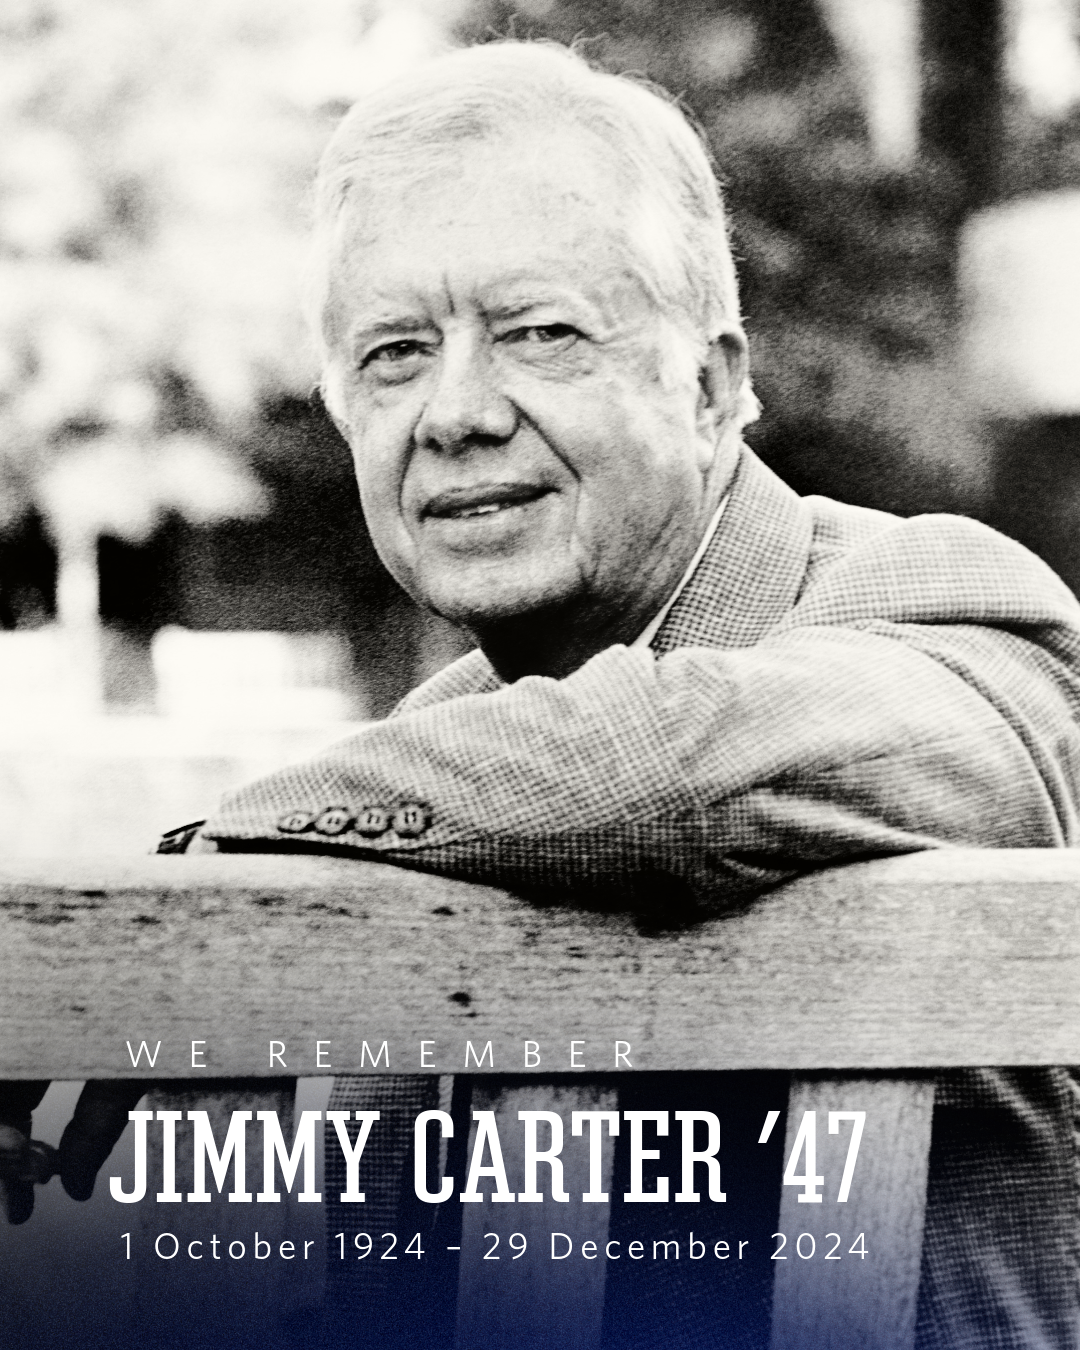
point(495, 604)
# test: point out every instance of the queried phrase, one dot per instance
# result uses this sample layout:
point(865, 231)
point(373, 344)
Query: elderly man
point(687, 679)
point(690, 684)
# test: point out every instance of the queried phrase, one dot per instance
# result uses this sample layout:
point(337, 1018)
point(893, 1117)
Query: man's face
point(519, 442)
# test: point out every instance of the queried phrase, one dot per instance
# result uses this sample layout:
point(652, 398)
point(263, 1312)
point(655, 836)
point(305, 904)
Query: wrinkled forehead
point(536, 202)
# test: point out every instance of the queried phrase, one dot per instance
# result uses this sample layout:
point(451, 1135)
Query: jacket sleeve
point(709, 771)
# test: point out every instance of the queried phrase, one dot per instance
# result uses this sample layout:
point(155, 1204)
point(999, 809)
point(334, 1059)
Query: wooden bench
point(844, 977)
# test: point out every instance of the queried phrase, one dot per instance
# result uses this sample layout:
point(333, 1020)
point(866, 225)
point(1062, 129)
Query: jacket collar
point(751, 573)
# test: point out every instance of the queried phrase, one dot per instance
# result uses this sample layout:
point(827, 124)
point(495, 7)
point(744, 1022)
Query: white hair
point(406, 130)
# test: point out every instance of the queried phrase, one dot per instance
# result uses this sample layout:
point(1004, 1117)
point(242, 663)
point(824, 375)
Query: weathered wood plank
point(826, 1296)
point(937, 959)
point(245, 1299)
point(537, 1301)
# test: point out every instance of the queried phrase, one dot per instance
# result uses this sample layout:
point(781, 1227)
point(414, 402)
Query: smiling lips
point(484, 500)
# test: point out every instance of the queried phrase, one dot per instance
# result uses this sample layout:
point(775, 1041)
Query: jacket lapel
point(753, 570)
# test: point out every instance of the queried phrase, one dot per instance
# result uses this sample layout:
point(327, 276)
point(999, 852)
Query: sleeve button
point(411, 819)
point(334, 820)
point(371, 821)
point(296, 822)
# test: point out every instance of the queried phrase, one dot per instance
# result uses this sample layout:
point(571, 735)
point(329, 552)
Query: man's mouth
point(488, 499)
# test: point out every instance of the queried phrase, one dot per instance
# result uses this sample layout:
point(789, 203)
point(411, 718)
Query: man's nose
point(466, 406)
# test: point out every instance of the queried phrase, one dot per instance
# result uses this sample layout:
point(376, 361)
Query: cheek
point(635, 445)
point(379, 479)
point(645, 477)
point(380, 440)
point(389, 537)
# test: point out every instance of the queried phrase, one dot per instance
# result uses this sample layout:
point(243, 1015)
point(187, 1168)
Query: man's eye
point(394, 362)
point(392, 353)
point(539, 334)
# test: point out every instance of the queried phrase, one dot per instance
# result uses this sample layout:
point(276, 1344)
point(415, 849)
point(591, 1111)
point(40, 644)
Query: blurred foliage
point(847, 267)
point(152, 173)
point(847, 283)
point(154, 160)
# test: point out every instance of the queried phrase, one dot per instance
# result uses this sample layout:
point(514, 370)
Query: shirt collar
point(646, 636)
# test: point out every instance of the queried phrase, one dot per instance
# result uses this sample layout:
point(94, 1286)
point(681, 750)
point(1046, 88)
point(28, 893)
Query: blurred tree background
point(847, 246)
point(160, 458)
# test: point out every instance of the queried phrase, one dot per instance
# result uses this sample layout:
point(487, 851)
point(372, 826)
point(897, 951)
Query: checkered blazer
point(833, 683)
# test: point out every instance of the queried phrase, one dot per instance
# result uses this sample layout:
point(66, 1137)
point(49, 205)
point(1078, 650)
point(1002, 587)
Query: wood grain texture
point(536, 1302)
point(247, 1301)
point(936, 959)
point(825, 1297)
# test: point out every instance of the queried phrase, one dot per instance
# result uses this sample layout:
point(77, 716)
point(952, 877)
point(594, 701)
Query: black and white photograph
point(540, 674)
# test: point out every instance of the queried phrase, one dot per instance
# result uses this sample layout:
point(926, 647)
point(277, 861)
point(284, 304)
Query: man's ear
point(720, 380)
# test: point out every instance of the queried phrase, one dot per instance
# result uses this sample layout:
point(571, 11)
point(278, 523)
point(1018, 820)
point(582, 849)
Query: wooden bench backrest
point(843, 977)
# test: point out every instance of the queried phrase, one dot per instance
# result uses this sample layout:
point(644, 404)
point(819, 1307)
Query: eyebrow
point(576, 308)
point(518, 308)
point(361, 335)
point(531, 295)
